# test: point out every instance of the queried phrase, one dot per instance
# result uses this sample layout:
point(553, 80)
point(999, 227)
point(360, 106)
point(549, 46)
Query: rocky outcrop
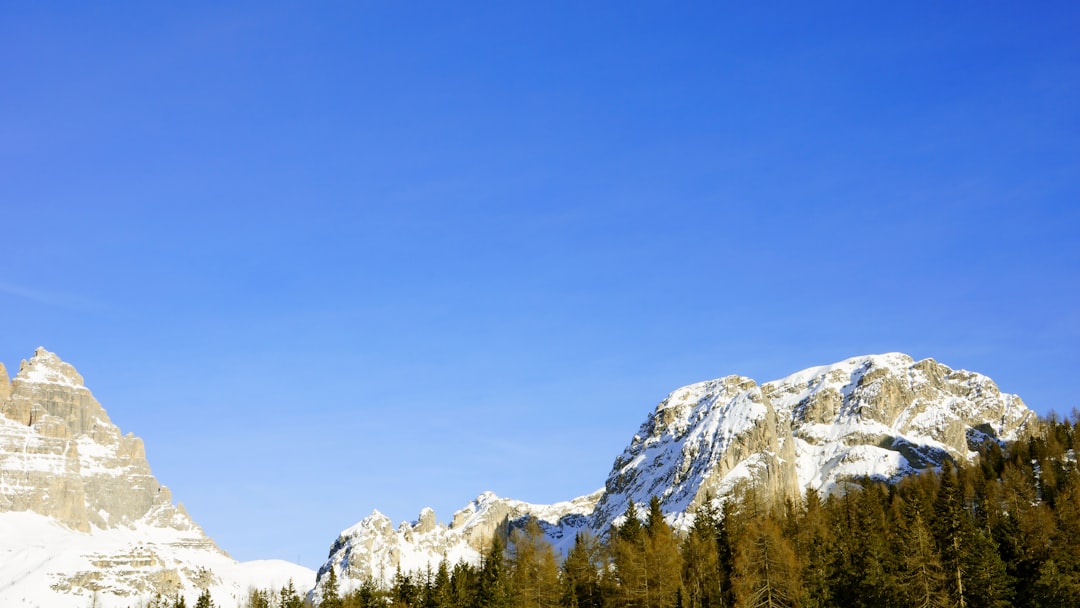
point(699, 441)
point(375, 550)
point(5, 384)
point(887, 415)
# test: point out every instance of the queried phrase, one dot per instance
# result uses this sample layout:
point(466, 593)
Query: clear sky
point(331, 257)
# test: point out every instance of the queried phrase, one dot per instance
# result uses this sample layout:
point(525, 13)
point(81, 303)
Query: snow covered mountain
point(373, 549)
point(82, 518)
point(84, 522)
point(883, 416)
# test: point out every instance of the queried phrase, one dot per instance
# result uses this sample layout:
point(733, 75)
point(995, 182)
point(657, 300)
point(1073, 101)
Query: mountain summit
point(62, 457)
point(880, 416)
point(82, 519)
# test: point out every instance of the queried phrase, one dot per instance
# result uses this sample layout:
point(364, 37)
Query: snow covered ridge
point(83, 520)
point(883, 416)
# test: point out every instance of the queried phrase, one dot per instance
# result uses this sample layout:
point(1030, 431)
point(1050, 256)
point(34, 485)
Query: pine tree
point(629, 568)
point(533, 572)
point(492, 591)
point(258, 598)
point(204, 600)
point(766, 568)
point(725, 550)
point(922, 576)
point(701, 559)
point(288, 597)
point(405, 592)
point(1058, 579)
point(581, 573)
point(330, 597)
point(464, 584)
point(814, 544)
point(663, 561)
point(442, 593)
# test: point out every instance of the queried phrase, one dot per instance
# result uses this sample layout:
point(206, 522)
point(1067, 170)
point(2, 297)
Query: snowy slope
point(43, 563)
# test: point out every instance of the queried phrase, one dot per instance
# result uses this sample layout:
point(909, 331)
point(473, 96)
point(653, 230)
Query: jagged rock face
point(79, 505)
point(374, 550)
point(698, 441)
point(5, 384)
point(888, 415)
point(882, 416)
point(61, 456)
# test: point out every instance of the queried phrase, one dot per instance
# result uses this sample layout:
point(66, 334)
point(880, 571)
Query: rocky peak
point(877, 415)
point(5, 384)
point(62, 457)
point(46, 368)
point(83, 516)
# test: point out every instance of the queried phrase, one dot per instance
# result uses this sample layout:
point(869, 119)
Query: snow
point(46, 368)
point(37, 553)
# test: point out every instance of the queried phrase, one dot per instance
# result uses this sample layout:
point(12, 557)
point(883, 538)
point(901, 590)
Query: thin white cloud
point(51, 298)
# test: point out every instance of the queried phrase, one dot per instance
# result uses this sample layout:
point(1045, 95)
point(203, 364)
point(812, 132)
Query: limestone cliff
point(82, 518)
point(62, 457)
point(881, 416)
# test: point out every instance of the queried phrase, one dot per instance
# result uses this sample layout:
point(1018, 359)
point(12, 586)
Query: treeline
point(1004, 531)
point(205, 600)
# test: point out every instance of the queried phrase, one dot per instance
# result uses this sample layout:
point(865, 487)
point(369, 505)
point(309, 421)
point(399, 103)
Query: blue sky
point(331, 258)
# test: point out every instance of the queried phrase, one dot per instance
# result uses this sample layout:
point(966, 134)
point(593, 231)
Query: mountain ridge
point(69, 476)
point(881, 416)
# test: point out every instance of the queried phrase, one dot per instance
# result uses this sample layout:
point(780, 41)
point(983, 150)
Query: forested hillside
point(1004, 531)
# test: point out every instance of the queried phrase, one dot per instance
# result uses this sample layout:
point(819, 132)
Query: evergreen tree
point(814, 544)
point(534, 574)
point(492, 591)
point(289, 598)
point(863, 564)
point(921, 576)
point(663, 562)
point(725, 550)
point(628, 553)
point(442, 591)
point(975, 572)
point(258, 598)
point(1058, 578)
point(204, 600)
point(766, 568)
point(701, 559)
point(330, 597)
point(464, 583)
point(581, 573)
point(405, 592)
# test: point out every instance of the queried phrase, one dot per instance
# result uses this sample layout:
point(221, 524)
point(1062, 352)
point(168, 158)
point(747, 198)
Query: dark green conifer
point(330, 592)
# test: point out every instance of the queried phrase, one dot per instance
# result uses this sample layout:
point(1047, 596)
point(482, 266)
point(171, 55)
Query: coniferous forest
point(1003, 531)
